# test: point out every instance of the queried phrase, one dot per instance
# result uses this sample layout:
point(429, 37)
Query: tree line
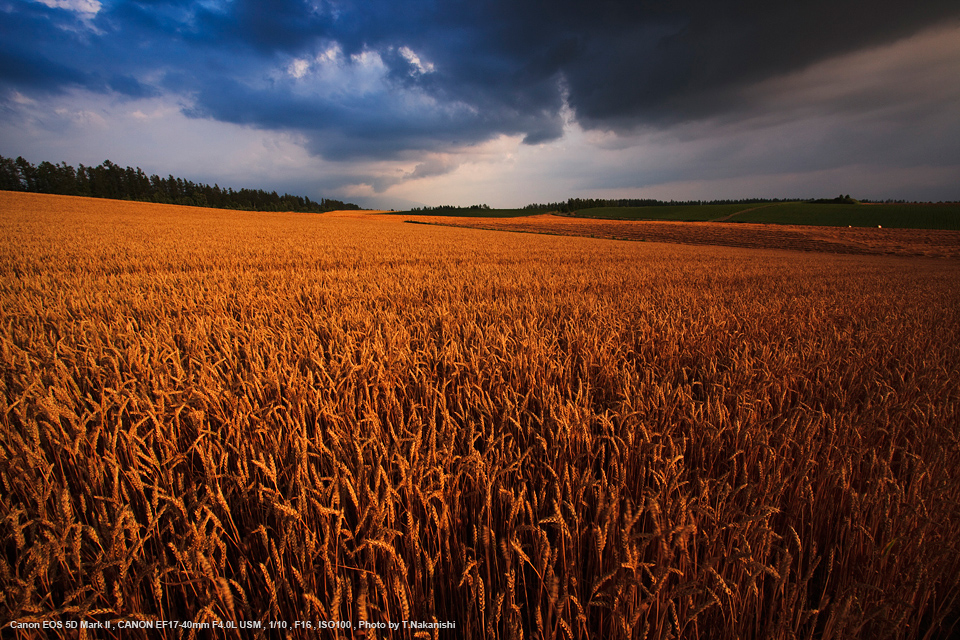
point(451, 207)
point(109, 180)
point(578, 204)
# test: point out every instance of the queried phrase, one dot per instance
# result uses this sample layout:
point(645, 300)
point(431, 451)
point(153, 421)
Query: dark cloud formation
point(378, 78)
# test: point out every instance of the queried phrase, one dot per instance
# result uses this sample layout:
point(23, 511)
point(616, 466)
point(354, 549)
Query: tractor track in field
point(735, 214)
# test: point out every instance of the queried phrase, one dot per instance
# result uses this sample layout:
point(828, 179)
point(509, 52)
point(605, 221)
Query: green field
point(666, 212)
point(900, 216)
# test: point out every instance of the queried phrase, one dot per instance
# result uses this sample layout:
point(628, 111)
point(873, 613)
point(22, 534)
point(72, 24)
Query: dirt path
point(732, 215)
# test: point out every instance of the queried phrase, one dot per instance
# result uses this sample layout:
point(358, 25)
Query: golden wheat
point(213, 415)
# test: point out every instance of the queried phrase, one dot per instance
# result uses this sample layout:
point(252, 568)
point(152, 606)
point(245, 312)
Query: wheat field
point(904, 242)
point(223, 416)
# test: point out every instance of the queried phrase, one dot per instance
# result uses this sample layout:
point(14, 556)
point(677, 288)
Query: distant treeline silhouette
point(111, 181)
point(578, 204)
point(452, 207)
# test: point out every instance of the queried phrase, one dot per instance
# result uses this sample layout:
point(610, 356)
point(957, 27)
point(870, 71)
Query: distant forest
point(111, 181)
point(577, 204)
point(452, 207)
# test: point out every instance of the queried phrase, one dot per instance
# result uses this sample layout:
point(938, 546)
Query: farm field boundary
point(855, 240)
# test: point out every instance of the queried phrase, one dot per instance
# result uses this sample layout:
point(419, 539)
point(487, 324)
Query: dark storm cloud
point(277, 25)
point(453, 72)
point(27, 64)
point(31, 71)
point(356, 127)
point(722, 47)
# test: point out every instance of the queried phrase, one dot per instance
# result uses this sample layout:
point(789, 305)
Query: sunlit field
point(266, 418)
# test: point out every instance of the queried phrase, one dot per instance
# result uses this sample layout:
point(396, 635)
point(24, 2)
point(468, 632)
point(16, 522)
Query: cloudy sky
point(503, 102)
